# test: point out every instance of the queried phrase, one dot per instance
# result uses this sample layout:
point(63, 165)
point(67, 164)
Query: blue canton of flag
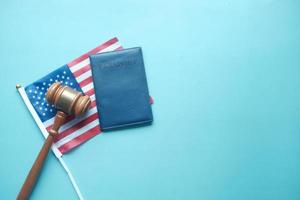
point(36, 92)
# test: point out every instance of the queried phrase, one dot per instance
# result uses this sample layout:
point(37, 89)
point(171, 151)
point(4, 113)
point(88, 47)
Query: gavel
point(67, 102)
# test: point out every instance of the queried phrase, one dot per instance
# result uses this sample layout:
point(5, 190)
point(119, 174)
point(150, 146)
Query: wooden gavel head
point(67, 100)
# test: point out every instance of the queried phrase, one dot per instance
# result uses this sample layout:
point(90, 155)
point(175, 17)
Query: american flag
point(77, 75)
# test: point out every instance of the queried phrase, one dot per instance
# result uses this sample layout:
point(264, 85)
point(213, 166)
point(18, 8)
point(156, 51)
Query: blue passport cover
point(121, 88)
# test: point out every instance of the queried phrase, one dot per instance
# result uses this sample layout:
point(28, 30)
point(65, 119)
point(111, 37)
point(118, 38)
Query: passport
point(121, 89)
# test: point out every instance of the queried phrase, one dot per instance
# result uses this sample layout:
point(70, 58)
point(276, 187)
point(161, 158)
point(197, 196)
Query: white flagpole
point(44, 131)
point(75, 186)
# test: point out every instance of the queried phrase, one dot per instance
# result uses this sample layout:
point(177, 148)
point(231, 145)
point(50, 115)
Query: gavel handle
point(35, 170)
point(39, 161)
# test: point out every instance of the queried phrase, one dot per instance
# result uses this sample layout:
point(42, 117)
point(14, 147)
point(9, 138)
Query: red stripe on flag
point(80, 139)
point(119, 48)
point(76, 127)
point(82, 70)
point(93, 51)
point(93, 104)
point(90, 92)
point(151, 100)
point(86, 81)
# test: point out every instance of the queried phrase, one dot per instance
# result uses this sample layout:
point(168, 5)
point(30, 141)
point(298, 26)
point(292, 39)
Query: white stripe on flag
point(111, 47)
point(87, 60)
point(93, 97)
point(84, 76)
point(88, 87)
point(77, 133)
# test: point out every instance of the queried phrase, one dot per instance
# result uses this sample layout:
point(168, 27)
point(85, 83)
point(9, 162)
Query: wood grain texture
point(40, 160)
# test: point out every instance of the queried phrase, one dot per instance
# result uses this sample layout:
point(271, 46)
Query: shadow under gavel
point(68, 102)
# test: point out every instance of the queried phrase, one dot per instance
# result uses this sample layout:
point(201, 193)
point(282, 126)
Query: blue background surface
point(225, 76)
